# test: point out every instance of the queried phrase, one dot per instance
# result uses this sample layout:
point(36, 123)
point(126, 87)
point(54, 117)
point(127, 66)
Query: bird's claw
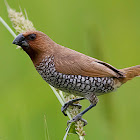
point(78, 105)
point(77, 118)
point(67, 104)
point(64, 108)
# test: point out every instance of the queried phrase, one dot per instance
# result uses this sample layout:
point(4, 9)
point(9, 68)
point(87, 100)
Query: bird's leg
point(79, 116)
point(94, 100)
point(66, 105)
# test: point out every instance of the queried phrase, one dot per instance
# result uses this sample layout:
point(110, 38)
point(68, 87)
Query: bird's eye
point(32, 36)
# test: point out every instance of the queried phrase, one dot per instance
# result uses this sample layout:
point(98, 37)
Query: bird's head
point(35, 43)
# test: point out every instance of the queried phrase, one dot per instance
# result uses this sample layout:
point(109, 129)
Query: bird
point(71, 71)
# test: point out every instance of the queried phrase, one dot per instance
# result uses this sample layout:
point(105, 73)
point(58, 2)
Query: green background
point(106, 29)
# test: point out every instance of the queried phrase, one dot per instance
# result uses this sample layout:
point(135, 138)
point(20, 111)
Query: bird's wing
point(68, 61)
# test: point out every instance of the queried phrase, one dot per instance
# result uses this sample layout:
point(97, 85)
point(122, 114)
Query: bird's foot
point(77, 118)
point(67, 104)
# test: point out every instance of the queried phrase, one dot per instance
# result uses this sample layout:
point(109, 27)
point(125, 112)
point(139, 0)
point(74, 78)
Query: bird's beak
point(21, 41)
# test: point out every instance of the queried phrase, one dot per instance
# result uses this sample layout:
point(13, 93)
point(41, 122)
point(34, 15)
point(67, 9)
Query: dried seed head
point(20, 23)
point(74, 110)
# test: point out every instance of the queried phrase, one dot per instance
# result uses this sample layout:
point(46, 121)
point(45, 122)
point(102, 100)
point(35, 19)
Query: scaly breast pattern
point(74, 84)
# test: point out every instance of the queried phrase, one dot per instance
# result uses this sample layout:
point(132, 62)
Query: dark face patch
point(31, 37)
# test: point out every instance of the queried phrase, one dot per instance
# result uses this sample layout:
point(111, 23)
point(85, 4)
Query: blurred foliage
point(105, 29)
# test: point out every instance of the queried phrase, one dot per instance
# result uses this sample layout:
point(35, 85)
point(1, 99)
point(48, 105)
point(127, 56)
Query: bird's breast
point(74, 84)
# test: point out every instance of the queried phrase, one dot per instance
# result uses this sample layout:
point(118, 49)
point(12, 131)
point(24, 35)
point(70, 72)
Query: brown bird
point(71, 71)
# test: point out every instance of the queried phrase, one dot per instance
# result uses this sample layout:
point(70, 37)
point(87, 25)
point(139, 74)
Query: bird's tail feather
point(130, 73)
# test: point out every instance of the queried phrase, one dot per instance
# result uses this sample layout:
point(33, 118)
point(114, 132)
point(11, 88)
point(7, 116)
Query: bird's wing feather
point(68, 61)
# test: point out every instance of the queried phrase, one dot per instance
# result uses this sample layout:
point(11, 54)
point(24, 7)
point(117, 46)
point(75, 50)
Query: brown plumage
point(130, 73)
point(71, 71)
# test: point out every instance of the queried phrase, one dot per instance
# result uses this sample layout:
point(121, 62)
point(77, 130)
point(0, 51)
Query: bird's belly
point(74, 84)
point(77, 84)
point(81, 86)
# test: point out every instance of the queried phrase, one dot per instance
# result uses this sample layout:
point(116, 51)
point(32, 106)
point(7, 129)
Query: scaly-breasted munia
point(71, 71)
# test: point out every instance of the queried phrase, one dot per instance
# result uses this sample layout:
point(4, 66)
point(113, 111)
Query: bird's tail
point(130, 73)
